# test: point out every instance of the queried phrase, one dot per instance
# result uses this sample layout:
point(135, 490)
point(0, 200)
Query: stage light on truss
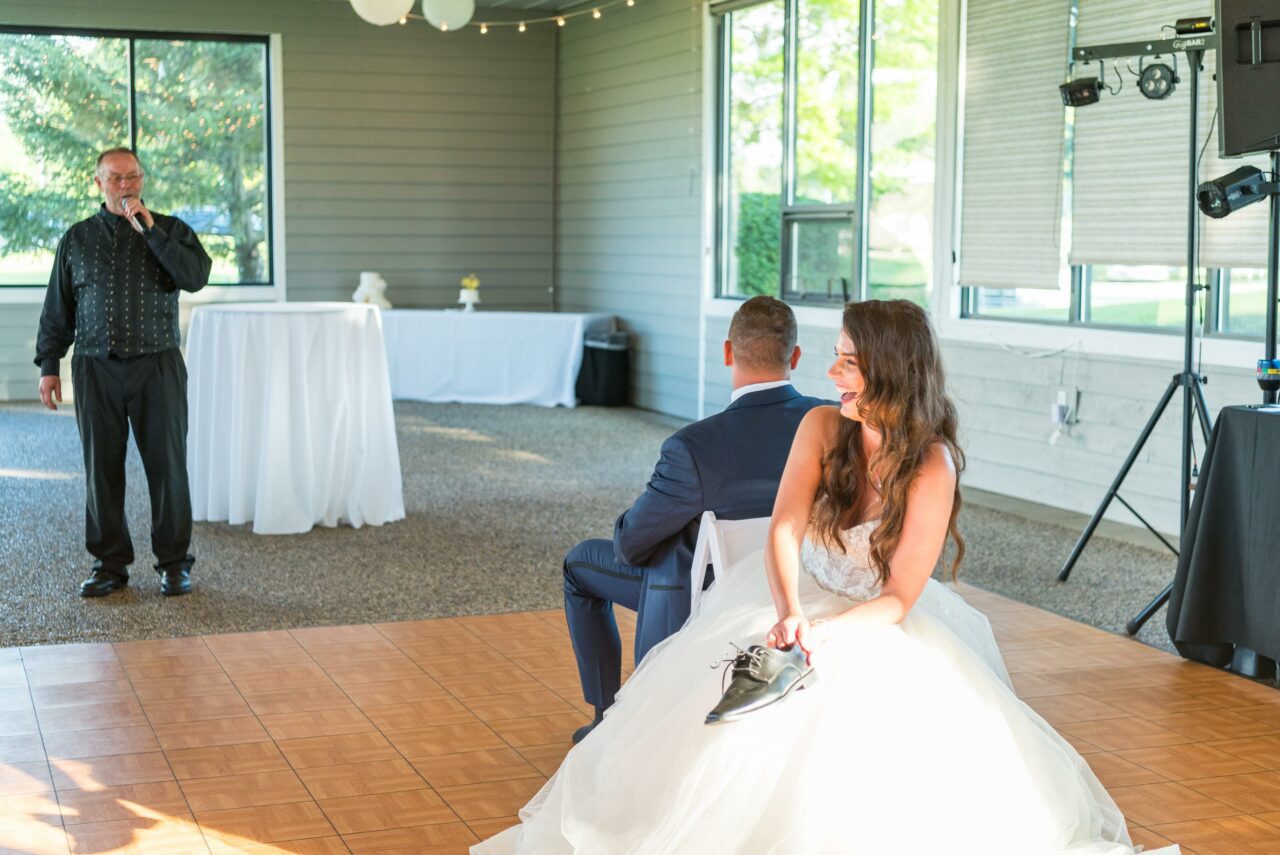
point(1157, 81)
point(1231, 192)
point(1082, 91)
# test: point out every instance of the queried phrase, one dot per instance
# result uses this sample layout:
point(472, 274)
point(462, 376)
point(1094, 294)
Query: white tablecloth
point(487, 357)
point(290, 417)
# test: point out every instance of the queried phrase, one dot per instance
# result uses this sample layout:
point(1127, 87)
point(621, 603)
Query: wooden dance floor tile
point(475, 767)
point(361, 779)
point(382, 811)
point(425, 736)
point(249, 790)
point(450, 838)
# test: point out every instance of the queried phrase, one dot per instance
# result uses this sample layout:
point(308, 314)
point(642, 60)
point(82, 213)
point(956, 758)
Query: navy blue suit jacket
point(730, 463)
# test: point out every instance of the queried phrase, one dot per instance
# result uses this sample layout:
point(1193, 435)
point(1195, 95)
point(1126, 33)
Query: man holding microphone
point(113, 293)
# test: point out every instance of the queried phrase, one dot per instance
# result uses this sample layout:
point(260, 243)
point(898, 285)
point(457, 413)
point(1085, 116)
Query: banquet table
point(487, 357)
point(291, 423)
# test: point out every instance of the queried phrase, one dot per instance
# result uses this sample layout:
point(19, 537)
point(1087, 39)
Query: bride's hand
point(814, 635)
point(787, 631)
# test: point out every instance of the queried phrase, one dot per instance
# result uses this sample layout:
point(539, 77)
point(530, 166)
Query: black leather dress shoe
point(175, 581)
point(762, 676)
point(102, 582)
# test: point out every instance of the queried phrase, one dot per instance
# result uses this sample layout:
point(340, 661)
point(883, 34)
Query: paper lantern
point(382, 12)
point(448, 15)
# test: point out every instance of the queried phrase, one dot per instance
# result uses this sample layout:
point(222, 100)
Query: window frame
point(1215, 283)
point(854, 210)
point(269, 120)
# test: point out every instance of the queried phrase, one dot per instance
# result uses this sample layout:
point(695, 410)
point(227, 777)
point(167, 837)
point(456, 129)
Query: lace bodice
point(848, 574)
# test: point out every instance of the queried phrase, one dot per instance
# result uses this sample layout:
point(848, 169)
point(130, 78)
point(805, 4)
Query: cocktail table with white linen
point(291, 423)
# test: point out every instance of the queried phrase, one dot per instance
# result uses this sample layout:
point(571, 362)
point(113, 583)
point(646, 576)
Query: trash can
point(604, 379)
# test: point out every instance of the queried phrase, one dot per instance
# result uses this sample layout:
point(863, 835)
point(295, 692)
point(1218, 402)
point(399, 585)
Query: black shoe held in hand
point(762, 676)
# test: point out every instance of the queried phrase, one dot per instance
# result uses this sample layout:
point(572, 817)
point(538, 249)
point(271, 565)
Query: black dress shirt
point(115, 292)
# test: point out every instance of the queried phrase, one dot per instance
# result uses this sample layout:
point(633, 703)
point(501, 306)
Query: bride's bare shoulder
point(939, 465)
point(820, 425)
point(825, 417)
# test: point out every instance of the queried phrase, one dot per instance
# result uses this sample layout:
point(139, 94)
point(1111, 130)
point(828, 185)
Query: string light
point(597, 12)
point(404, 20)
point(444, 26)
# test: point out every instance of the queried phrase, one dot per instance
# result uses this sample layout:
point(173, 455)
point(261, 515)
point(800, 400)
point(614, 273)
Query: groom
point(729, 463)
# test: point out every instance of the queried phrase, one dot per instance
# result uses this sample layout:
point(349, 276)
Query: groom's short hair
point(763, 333)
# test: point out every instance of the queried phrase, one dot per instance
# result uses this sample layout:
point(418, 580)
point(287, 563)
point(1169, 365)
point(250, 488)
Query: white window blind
point(1011, 183)
point(1131, 171)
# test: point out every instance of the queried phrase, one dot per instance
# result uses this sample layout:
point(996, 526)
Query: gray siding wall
point(422, 155)
point(1004, 401)
point(629, 187)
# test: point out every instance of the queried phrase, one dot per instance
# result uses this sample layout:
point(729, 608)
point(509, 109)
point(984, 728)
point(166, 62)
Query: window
point(1146, 297)
point(1122, 248)
point(753, 150)
point(1025, 304)
point(826, 149)
point(195, 108)
point(1243, 304)
point(905, 86)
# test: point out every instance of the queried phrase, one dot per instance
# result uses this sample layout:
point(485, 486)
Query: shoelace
point(744, 662)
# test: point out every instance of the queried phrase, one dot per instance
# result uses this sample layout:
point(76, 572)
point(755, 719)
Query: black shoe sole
point(176, 593)
point(95, 593)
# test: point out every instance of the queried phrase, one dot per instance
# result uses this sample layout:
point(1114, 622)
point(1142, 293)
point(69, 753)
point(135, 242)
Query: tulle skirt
point(911, 742)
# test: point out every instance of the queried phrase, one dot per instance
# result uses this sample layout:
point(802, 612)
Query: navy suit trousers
point(594, 581)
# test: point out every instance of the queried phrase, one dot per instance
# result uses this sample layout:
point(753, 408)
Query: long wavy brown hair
point(905, 400)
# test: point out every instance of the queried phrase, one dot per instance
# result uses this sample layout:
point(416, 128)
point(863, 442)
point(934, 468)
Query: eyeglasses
point(123, 179)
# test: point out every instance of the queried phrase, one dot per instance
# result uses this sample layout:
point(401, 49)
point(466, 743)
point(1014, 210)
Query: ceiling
point(545, 6)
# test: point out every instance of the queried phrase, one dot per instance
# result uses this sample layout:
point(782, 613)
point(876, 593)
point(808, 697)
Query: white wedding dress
point(911, 742)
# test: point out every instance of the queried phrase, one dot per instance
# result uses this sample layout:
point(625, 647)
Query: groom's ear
point(728, 352)
point(795, 357)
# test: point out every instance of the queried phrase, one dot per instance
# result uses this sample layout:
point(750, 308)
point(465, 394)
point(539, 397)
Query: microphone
point(131, 216)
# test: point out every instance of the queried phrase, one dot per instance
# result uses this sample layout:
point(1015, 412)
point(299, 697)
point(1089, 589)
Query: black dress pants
point(148, 393)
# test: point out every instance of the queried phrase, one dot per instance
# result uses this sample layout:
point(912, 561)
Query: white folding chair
point(721, 543)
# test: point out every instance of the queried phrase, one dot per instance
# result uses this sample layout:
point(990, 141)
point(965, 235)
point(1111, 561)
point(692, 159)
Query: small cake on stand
point(470, 293)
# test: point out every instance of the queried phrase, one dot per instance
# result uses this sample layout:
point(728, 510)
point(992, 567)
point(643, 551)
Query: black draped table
point(1225, 604)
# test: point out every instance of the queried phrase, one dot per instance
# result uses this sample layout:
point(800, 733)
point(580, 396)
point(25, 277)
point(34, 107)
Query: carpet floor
point(494, 497)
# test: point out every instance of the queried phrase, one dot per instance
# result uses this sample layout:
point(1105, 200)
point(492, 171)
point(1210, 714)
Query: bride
point(911, 742)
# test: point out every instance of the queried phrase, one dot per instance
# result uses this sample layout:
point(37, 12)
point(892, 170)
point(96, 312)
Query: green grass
point(26, 268)
point(896, 272)
point(898, 278)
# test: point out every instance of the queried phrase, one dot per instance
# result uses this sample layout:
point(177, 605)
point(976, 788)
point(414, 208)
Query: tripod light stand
point(1191, 383)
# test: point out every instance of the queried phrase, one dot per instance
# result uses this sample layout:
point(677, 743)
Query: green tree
point(63, 100)
point(757, 246)
point(201, 137)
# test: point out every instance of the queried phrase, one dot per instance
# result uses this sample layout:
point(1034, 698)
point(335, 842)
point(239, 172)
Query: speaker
point(1248, 76)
